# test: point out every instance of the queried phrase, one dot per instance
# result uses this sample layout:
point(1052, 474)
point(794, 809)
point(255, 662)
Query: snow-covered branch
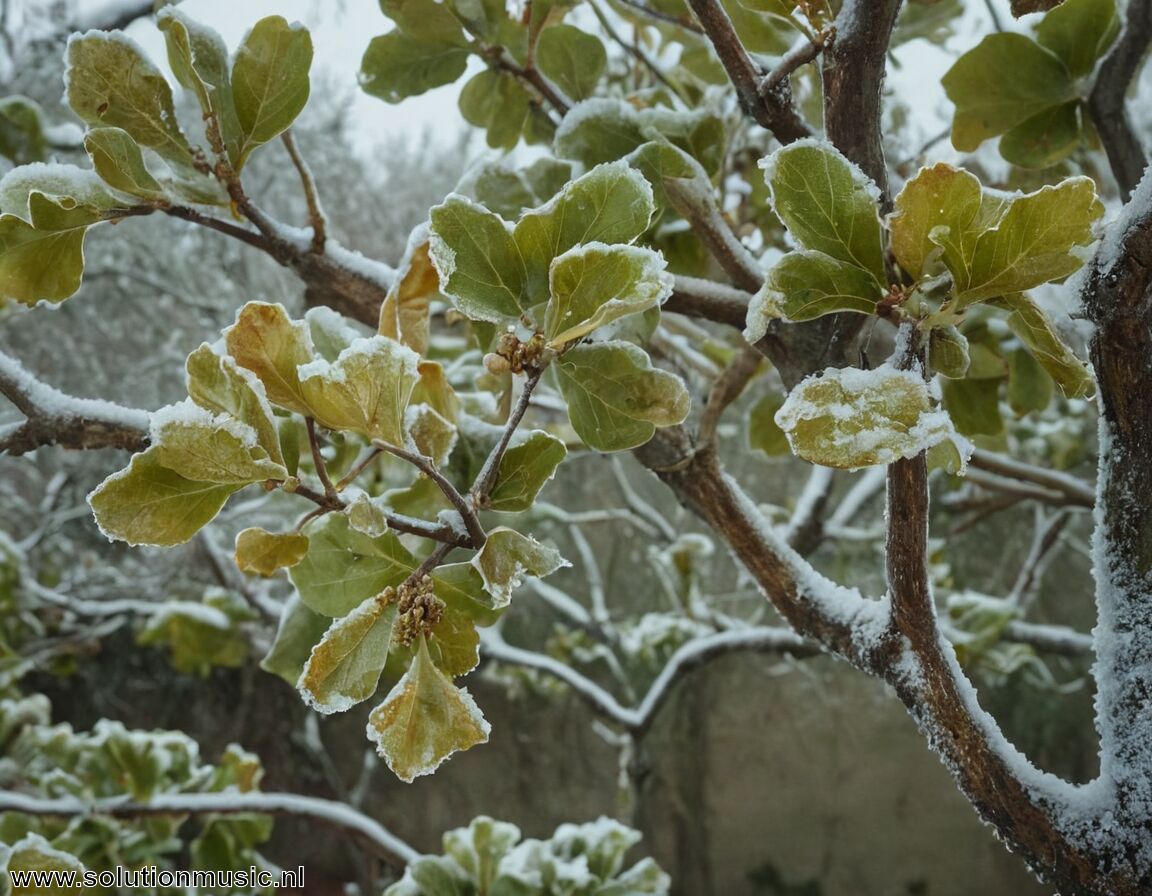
point(53, 418)
point(383, 843)
point(697, 652)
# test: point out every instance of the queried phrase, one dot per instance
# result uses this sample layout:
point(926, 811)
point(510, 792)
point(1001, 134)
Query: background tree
point(620, 293)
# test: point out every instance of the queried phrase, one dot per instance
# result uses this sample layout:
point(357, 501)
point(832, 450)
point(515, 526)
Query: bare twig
point(726, 389)
point(1106, 102)
point(659, 16)
point(793, 59)
point(772, 109)
point(383, 844)
point(462, 504)
point(318, 461)
point(316, 216)
point(1075, 492)
point(486, 478)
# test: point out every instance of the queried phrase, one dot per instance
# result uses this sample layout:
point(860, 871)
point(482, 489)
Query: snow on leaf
point(33, 853)
point(424, 720)
point(365, 390)
point(265, 341)
point(219, 385)
point(300, 629)
point(344, 667)
point(262, 552)
point(479, 265)
point(207, 447)
point(851, 418)
point(111, 82)
point(594, 284)
point(507, 556)
point(612, 203)
point(146, 503)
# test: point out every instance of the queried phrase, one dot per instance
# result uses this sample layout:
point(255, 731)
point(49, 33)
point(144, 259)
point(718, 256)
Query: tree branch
point(1075, 492)
point(54, 418)
point(463, 506)
point(853, 78)
point(382, 843)
point(771, 109)
point(1106, 102)
point(316, 216)
point(716, 302)
point(486, 478)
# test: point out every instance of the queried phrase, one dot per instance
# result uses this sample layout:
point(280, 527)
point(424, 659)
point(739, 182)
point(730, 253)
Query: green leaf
point(343, 567)
point(424, 720)
point(32, 853)
point(594, 284)
point(267, 342)
point(365, 390)
point(524, 470)
point(344, 668)
point(616, 399)
point(22, 137)
point(572, 59)
point(270, 81)
point(201, 636)
point(1029, 322)
point(1079, 32)
point(479, 265)
point(396, 65)
point(425, 20)
point(262, 552)
point(507, 556)
point(764, 434)
point(497, 102)
point(1000, 83)
point(433, 436)
point(455, 643)
point(38, 266)
point(461, 587)
point(974, 405)
point(1029, 387)
point(218, 384)
point(851, 418)
point(1033, 242)
point(119, 162)
point(207, 447)
point(948, 352)
point(199, 60)
point(1044, 139)
point(992, 243)
point(826, 203)
point(610, 204)
point(146, 503)
point(806, 284)
point(300, 629)
point(111, 83)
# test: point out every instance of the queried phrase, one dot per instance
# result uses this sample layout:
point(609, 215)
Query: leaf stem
point(318, 460)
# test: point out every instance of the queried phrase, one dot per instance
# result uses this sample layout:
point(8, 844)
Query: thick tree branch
point(382, 843)
point(1117, 297)
point(853, 79)
point(1074, 491)
point(771, 109)
point(54, 418)
point(1106, 102)
point(694, 297)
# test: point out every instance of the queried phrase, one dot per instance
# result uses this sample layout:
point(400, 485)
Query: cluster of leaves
point(489, 858)
point(1031, 92)
point(950, 252)
point(46, 210)
point(110, 762)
